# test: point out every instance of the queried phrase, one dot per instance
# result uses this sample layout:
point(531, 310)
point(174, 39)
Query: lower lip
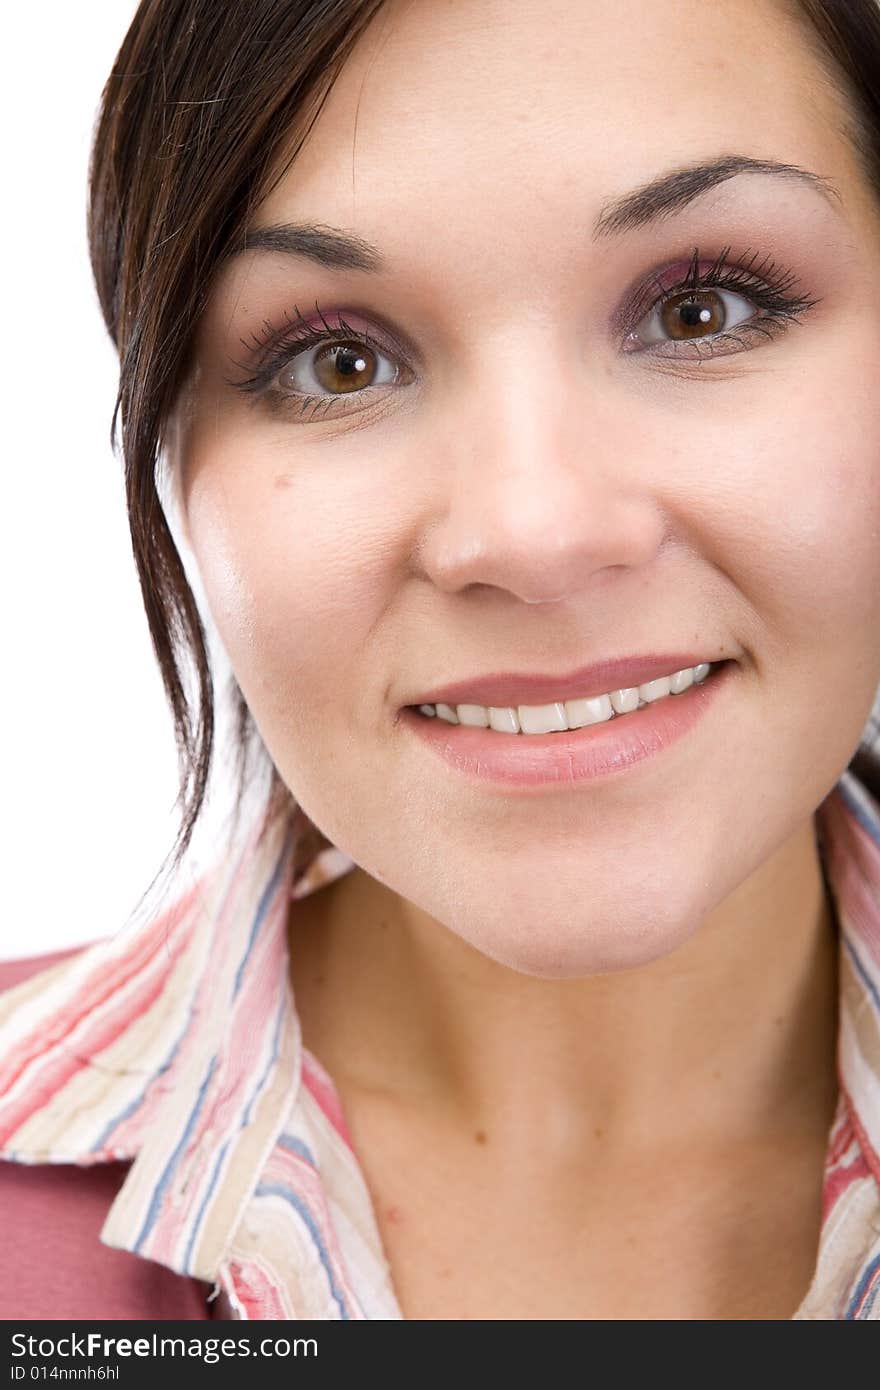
point(596, 750)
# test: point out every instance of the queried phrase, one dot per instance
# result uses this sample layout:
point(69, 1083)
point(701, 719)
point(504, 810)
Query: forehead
point(495, 109)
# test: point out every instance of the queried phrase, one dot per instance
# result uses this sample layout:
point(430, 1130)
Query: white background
point(90, 766)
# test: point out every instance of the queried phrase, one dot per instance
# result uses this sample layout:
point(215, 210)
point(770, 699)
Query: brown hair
point(199, 103)
point(193, 120)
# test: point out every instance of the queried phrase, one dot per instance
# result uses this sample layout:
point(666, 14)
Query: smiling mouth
point(563, 716)
point(555, 758)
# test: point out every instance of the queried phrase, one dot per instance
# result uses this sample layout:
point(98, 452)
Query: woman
point(516, 392)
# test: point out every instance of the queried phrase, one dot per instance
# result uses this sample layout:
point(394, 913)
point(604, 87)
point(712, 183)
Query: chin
point(588, 944)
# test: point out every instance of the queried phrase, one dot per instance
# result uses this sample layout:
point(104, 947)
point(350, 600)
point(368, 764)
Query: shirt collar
point(848, 829)
point(177, 1045)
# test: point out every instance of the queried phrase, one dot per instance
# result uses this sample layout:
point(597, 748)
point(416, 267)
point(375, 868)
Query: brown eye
point(338, 368)
point(691, 315)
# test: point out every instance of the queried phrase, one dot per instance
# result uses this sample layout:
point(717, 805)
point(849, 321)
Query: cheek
point(780, 507)
point(822, 529)
point(793, 511)
point(296, 579)
point(810, 570)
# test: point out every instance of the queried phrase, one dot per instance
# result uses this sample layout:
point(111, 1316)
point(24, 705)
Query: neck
point(731, 1037)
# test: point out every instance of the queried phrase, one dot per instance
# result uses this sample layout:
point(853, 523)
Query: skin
point(546, 972)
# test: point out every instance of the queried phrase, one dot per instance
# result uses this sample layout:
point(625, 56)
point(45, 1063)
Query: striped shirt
point(175, 1044)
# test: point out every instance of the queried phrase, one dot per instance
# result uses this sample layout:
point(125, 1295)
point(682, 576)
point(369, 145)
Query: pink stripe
point(58, 1064)
point(263, 987)
point(842, 1136)
point(839, 1180)
point(854, 864)
point(101, 985)
point(842, 1146)
point(295, 1173)
point(867, 1148)
point(255, 1291)
point(322, 1088)
point(129, 1134)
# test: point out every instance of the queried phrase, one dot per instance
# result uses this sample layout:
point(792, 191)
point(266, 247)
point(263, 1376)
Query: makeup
point(541, 762)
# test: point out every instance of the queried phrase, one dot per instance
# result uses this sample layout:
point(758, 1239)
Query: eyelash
point(273, 353)
point(769, 287)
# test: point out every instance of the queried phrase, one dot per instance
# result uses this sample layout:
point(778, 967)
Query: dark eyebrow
point(673, 191)
point(328, 246)
point(335, 249)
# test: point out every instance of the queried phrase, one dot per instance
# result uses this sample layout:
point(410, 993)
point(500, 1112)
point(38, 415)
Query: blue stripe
point(275, 1190)
point(117, 1120)
point(258, 1090)
point(298, 1147)
point(244, 1122)
point(218, 1164)
point(161, 1186)
point(863, 974)
point(139, 1099)
point(861, 1288)
point(861, 803)
point(265, 899)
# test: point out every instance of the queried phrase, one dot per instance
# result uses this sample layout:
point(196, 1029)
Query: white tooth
point(568, 714)
point(503, 719)
point(654, 690)
point(625, 700)
point(541, 719)
point(476, 715)
point(588, 711)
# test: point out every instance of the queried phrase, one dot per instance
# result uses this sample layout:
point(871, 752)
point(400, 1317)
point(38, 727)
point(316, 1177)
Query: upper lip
point(510, 688)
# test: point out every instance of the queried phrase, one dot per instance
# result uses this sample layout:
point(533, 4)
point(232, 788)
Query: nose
point(542, 485)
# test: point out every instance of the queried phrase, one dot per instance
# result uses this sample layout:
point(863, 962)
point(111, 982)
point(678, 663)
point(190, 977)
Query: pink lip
point(560, 760)
point(520, 688)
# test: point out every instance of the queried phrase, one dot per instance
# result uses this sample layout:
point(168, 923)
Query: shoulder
point(14, 972)
point(56, 1266)
point(53, 1214)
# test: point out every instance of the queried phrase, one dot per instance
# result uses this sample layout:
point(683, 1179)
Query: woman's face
point(530, 468)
